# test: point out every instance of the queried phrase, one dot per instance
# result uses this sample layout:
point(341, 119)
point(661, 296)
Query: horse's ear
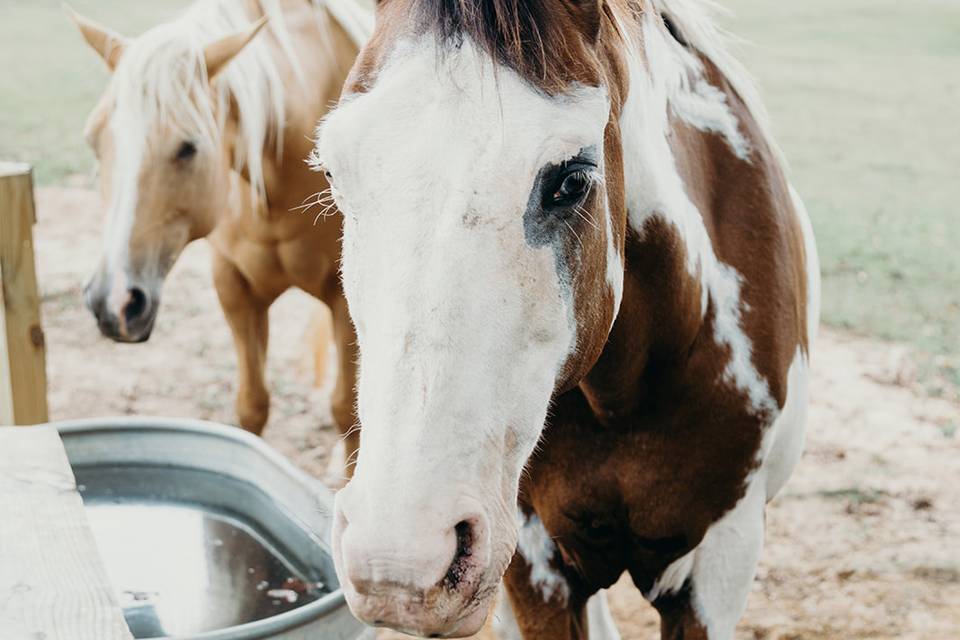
point(217, 54)
point(107, 43)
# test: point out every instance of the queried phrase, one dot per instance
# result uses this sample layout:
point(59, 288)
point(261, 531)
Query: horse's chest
point(636, 497)
point(276, 259)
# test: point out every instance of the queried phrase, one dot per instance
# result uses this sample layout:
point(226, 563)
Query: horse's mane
point(697, 22)
point(161, 76)
point(529, 37)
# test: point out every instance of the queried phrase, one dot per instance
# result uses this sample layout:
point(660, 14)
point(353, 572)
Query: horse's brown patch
point(654, 444)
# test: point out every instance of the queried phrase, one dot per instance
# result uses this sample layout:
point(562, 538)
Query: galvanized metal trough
point(207, 533)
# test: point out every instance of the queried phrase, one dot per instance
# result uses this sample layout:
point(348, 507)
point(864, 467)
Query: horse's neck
point(711, 236)
point(660, 318)
point(668, 251)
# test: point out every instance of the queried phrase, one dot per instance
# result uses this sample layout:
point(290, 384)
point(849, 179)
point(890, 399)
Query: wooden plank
point(23, 376)
point(53, 584)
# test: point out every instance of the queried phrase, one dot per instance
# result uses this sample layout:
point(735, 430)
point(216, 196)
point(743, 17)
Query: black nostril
point(136, 305)
point(464, 538)
point(461, 559)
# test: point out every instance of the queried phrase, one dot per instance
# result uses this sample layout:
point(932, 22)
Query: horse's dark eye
point(186, 151)
point(572, 187)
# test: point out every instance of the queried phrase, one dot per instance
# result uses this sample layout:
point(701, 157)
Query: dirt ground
point(863, 542)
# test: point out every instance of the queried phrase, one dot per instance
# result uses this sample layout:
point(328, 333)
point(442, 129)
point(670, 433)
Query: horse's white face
point(472, 206)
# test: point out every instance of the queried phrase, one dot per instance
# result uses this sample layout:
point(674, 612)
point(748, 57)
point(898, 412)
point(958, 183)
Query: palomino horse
point(565, 213)
point(202, 132)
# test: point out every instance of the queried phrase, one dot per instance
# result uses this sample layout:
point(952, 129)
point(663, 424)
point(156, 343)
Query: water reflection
point(181, 569)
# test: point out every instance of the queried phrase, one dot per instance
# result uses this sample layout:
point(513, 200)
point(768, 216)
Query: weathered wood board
point(53, 584)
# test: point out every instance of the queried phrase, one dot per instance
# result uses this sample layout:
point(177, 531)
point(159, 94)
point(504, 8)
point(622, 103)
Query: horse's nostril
point(461, 559)
point(136, 305)
point(464, 538)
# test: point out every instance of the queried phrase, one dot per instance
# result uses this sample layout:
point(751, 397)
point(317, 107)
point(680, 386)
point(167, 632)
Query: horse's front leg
point(600, 624)
point(246, 314)
point(707, 594)
point(542, 604)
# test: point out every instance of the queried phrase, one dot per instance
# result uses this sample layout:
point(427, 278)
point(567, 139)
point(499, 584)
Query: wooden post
point(23, 376)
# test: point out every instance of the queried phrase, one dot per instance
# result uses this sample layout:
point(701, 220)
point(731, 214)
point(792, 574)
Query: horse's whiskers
point(324, 197)
point(575, 234)
point(326, 212)
point(587, 217)
point(303, 208)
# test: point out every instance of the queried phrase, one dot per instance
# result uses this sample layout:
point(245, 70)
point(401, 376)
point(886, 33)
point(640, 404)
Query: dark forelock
point(542, 40)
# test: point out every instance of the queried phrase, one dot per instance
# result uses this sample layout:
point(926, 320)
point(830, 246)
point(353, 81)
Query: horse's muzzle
point(421, 580)
point(131, 322)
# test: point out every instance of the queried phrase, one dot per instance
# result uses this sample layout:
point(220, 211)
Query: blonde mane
point(162, 77)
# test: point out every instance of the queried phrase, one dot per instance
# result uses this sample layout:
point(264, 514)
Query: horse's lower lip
point(466, 625)
point(139, 339)
point(136, 336)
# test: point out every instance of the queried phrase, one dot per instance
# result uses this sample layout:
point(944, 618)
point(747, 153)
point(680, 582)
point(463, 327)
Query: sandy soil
point(863, 542)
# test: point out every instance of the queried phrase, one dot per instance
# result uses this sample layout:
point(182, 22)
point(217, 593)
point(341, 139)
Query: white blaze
point(129, 133)
point(462, 324)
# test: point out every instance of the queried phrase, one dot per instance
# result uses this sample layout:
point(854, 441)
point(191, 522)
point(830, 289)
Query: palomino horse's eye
point(572, 188)
point(186, 151)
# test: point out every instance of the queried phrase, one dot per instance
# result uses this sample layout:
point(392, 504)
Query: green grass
point(865, 99)
point(864, 95)
point(51, 79)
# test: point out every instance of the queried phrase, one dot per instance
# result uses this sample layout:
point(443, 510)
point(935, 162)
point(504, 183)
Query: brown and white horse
point(565, 224)
point(202, 132)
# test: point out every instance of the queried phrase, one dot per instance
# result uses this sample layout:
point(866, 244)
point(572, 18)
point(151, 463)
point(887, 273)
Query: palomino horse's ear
point(218, 54)
point(107, 43)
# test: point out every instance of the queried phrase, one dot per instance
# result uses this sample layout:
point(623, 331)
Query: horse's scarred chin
point(408, 614)
point(394, 593)
point(422, 555)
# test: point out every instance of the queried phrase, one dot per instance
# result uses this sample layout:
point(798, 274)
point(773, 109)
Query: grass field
point(50, 80)
point(864, 97)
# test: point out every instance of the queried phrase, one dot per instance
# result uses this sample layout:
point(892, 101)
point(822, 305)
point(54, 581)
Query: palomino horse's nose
point(131, 322)
point(135, 307)
point(136, 316)
point(412, 576)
